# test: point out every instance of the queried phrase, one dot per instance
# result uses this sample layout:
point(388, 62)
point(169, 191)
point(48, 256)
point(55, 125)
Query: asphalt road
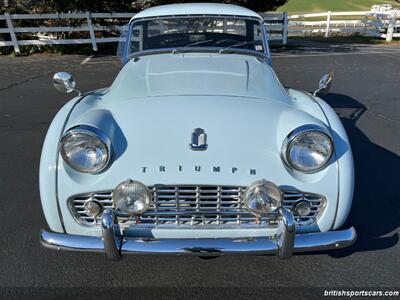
point(366, 94)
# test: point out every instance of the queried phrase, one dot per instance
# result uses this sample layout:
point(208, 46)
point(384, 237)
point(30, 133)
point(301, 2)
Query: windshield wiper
point(182, 49)
point(244, 43)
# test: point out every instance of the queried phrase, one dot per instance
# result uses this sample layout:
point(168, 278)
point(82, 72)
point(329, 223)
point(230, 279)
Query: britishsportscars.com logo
point(361, 293)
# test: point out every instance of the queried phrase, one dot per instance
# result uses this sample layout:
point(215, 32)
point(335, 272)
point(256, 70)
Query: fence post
point(328, 24)
point(390, 30)
point(225, 25)
point(12, 33)
point(285, 28)
point(365, 24)
point(91, 31)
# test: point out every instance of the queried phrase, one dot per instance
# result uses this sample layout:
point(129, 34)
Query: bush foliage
point(30, 6)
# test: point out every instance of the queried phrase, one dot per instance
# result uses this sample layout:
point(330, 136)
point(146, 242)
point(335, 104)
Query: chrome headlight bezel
point(286, 146)
point(92, 132)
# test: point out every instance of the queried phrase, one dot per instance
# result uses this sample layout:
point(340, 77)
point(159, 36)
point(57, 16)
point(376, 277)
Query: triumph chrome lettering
point(199, 169)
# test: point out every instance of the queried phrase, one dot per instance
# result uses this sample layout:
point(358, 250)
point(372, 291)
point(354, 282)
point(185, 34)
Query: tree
point(256, 5)
point(126, 5)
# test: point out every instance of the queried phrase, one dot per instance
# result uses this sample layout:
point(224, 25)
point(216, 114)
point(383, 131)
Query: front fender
point(48, 167)
point(345, 165)
point(345, 181)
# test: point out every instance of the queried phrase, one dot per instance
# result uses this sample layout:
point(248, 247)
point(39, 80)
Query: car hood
point(196, 74)
point(150, 133)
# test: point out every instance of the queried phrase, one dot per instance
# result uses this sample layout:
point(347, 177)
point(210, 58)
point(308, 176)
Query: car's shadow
point(375, 211)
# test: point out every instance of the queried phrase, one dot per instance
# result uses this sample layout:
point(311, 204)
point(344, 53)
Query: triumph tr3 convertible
point(196, 148)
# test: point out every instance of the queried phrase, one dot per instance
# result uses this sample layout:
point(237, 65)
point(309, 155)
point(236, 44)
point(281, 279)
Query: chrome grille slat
point(184, 213)
point(196, 206)
point(197, 197)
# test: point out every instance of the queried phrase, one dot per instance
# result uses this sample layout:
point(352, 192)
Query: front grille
point(186, 205)
point(318, 203)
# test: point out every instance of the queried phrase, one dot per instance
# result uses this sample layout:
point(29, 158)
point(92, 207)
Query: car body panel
point(345, 164)
point(196, 9)
point(343, 154)
point(196, 74)
point(49, 168)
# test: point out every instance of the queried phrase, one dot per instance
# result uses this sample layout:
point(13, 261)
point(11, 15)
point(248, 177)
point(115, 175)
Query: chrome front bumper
point(284, 244)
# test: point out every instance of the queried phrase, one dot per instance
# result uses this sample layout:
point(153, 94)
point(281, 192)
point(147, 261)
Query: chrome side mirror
point(325, 84)
point(64, 82)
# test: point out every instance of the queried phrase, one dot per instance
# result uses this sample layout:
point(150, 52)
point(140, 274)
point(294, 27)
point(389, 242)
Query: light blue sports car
point(196, 148)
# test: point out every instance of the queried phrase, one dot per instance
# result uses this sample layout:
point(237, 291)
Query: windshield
point(184, 34)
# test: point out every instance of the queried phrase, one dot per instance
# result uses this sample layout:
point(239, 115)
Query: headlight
point(308, 148)
point(262, 197)
point(132, 197)
point(85, 149)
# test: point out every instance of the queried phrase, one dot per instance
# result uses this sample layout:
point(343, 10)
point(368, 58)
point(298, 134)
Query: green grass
point(310, 6)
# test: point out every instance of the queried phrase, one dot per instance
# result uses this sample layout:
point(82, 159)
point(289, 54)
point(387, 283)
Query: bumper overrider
point(284, 243)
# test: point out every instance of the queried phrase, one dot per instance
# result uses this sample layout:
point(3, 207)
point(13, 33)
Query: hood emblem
point(199, 140)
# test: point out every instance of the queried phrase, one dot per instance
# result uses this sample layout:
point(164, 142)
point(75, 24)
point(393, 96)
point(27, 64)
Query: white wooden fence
point(42, 35)
point(279, 26)
point(377, 24)
point(86, 26)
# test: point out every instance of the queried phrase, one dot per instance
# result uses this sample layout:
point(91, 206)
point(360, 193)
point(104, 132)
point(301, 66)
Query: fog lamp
point(302, 208)
point(262, 197)
point(92, 208)
point(131, 197)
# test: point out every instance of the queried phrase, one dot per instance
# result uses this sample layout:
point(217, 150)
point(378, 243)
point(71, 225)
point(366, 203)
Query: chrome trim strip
point(200, 247)
point(308, 242)
point(186, 16)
